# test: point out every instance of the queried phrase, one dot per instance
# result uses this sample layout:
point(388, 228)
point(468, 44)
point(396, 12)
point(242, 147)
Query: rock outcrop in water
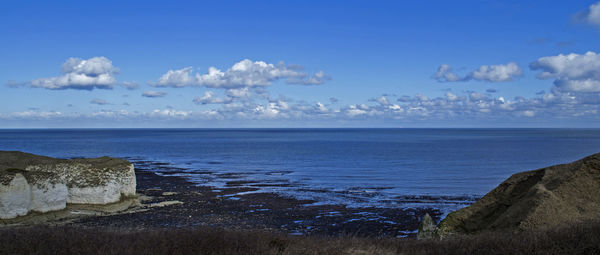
point(547, 197)
point(36, 183)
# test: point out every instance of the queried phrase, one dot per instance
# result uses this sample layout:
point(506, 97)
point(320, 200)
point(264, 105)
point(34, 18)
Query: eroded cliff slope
point(547, 197)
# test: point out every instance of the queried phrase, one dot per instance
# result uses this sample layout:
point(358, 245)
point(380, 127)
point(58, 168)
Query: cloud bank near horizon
point(241, 93)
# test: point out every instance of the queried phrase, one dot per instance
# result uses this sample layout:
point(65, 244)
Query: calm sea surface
point(445, 168)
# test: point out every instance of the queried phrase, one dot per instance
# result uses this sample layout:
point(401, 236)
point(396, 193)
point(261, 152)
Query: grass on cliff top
point(581, 238)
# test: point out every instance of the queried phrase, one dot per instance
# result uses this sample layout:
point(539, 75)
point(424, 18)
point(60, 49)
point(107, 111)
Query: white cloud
point(354, 110)
point(590, 16)
point(245, 73)
point(420, 97)
point(99, 101)
point(383, 100)
point(445, 74)
point(469, 106)
point(283, 105)
point(239, 93)
point(497, 73)
point(396, 108)
point(154, 94)
point(321, 108)
point(170, 113)
point(451, 96)
point(476, 96)
point(587, 85)
point(572, 72)
point(211, 98)
point(528, 113)
point(176, 78)
point(96, 72)
point(489, 73)
point(130, 85)
point(315, 79)
point(269, 111)
point(32, 115)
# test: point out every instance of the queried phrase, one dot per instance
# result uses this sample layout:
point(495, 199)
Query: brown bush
point(583, 238)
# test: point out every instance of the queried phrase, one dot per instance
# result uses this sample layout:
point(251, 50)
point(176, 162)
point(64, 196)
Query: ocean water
point(443, 168)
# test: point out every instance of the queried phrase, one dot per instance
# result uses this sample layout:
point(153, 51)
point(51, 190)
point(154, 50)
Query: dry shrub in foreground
point(583, 238)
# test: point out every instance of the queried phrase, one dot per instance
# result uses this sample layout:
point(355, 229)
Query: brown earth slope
point(547, 197)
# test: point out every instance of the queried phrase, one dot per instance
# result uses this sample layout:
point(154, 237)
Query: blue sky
point(299, 64)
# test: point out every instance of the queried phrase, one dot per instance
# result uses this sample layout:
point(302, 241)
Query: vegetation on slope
point(581, 238)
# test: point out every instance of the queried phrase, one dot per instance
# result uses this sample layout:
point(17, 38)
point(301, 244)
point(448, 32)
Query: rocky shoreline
point(174, 202)
point(166, 200)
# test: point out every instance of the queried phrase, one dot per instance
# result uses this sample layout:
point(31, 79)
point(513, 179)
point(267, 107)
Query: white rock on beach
point(46, 198)
point(15, 196)
point(35, 183)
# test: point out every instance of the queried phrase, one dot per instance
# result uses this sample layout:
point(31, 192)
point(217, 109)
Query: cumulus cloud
point(130, 85)
point(572, 72)
point(211, 98)
point(451, 96)
point(497, 73)
point(268, 111)
point(476, 96)
point(445, 74)
point(321, 108)
point(176, 78)
point(590, 16)
point(383, 100)
point(154, 94)
point(354, 110)
point(99, 101)
point(245, 73)
point(304, 79)
point(83, 74)
point(239, 93)
point(488, 73)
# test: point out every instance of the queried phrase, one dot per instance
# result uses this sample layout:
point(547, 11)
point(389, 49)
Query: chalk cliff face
point(35, 183)
point(536, 199)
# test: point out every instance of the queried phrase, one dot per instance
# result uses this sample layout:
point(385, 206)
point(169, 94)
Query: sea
point(442, 168)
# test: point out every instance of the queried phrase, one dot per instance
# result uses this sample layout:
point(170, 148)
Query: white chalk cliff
point(35, 183)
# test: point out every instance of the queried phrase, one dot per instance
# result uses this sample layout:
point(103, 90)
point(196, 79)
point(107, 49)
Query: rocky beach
point(173, 202)
point(178, 214)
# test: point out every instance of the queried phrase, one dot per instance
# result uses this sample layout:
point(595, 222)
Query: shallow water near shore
point(441, 168)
